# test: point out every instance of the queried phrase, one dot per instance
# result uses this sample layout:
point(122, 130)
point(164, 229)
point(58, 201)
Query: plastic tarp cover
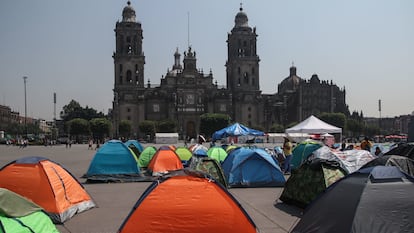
point(350, 160)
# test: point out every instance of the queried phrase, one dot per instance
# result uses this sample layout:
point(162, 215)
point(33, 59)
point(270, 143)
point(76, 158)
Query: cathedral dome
point(241, 19)
point(315, 79)
point(290, 83)
point(128, 14)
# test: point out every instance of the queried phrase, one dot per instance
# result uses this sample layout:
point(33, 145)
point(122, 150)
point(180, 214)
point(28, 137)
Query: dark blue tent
point(236, 130)
point(246, 167)
point(114, 161)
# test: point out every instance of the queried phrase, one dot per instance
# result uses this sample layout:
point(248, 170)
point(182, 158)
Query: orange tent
point(48, 185)
point(187, 201)
point(163, 161)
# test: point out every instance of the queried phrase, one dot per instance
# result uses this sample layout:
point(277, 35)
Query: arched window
point(129, 76)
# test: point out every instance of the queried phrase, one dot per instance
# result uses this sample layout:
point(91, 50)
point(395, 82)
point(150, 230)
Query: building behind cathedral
point(185, 92)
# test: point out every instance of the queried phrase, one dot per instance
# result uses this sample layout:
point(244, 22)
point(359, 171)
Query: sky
point(66, 47)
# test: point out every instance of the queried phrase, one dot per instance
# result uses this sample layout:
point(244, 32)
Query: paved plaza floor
point(115, 200)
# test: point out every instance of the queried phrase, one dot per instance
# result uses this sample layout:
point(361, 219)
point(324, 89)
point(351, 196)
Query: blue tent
point(113, 161)
point(247, 167)
point(236, 130)
point(136, 144)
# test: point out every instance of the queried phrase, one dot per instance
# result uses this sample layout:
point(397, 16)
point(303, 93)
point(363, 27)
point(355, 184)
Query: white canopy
point(313, 125)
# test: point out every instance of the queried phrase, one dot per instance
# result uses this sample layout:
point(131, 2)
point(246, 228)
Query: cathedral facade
point(186, 92)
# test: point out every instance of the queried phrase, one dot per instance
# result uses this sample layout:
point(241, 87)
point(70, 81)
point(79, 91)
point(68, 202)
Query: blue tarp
point(246, 167)
point(113, 158)
point(236, 130)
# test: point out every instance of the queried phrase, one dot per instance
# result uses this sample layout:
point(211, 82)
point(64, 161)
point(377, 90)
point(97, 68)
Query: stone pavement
point(115, 200)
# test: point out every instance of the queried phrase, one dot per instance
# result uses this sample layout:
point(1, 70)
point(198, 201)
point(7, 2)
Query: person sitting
point(378, 151)
point(366, 144)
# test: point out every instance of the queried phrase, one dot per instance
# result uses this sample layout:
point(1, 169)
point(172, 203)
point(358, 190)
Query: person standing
point(287, 150)
point(90, 144)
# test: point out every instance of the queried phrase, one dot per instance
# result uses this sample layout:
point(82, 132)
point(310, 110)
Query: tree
point(75, 110)
point(77, 127)
point(71, 111)
point(258, 127)
point(354, 126)
point(100, 127)
point(148, 128)
point(125, 127)
point(20, 129)
point(167, 126)
point(15, 129)
point(277, 128)
point(371, 130)
point(337, 119)
point(290, 125)
point(211, 122)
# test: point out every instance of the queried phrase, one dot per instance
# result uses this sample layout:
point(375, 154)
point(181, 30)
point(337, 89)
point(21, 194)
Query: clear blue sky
point(66, 47)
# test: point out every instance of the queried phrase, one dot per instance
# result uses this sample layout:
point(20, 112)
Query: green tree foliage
point(211, 122)
point(77, 127)
point(125, 128)
point(371, 130)
point(167, 126)
point(336, 119)
point(20, 129)
point(100, 127)
point(75, 110)
point(258, 127)
point(354, 127)
point(277, 128)
point(15, 129)
point(291, 124)
point(147, 128)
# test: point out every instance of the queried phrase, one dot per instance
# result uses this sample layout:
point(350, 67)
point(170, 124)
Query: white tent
point(313, 125)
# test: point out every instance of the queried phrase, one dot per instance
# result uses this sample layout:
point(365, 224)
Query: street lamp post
point(116, 112)
point(25, 105)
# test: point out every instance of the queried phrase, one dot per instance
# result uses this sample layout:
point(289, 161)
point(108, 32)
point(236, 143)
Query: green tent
point(17, 214)
point(217, 153)
point(184, 153)
point(309, 180)
point(302, 151)
point(209, 166)
point(146, 156)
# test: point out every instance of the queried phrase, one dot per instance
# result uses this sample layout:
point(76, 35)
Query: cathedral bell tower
point(242, 71)
point(129, 58)
point(129, 63)
point(242, 66)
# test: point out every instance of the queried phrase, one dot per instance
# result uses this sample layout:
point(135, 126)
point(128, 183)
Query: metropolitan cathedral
point(186, 92)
